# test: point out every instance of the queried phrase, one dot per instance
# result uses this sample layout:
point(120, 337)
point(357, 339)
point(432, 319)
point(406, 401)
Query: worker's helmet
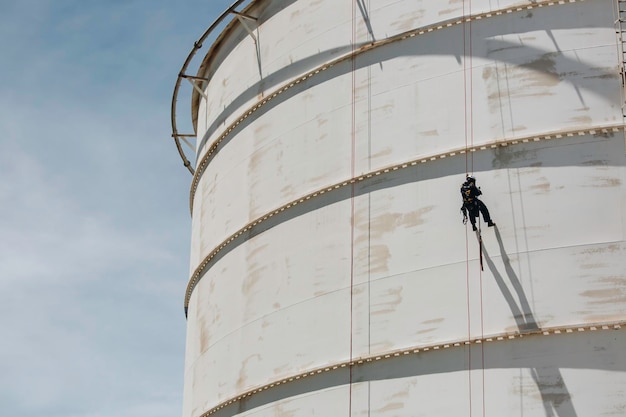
point(470, 179)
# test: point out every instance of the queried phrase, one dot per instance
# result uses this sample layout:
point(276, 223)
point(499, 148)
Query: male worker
point(472, 204)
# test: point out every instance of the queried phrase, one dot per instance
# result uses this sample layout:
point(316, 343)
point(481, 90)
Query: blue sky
point(94, 217)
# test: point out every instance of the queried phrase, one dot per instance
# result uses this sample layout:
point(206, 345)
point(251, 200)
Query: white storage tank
point(331, 273)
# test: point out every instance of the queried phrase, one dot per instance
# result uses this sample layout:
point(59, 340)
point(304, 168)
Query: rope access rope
point(352, 171)
point(467, 271)
point(201, 166)
point(422, 350)
point(497, 143)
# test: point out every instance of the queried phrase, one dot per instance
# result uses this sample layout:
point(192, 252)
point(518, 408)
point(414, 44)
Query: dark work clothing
point(472, 206)
point(473, 211)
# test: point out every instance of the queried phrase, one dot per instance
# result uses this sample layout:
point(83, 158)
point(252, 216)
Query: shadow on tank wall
point(582, 151)
point(542, 356)
point(527, 353)
point(448, 42)
point(548, 378)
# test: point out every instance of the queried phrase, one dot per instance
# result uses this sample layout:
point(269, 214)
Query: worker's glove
point(465, 219)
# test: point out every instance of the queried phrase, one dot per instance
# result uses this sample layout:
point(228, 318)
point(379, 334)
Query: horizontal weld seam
point(201, 167)
point(205, 264)
point(423, 349)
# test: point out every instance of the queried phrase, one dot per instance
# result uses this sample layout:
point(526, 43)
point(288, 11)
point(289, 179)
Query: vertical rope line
point(352, 193)
point(467, 274)
point(369, 207)
point(471, 84)
point(619, 44)
point(469, 333)
point(465, 90)
point(370, 37)
point(471, 121)
point(369, 204)
point(482, 328)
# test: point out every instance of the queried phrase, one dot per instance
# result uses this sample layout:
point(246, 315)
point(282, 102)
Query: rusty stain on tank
point(252, 279)
point(547, 386)
point(592, 266)
point(598, 318)
point(254, 251)
point(491, 51)
point(603, 293)
point(606, 76)
point(582, 120)
point(545, 65)
point(504, 157)
point(543, 187)
point(596, 162)
point(204, 334)
point(531, 76)
point(379, 256)
point(409, 21)
point(281, 370)
point(387, 108)
point(397, 399)
point(615, 281)
point(428, 330)
point(288, 192)
point(357, 290)
point(606, 296)
point(391, 406)
point(602, 249)
point(392, 297)
point(444, 12)
point(433, 132)
point(381, 153)
point(603, 182)
point(389, 222)
point(243, 377)
point(279, 411)
point(434, 321)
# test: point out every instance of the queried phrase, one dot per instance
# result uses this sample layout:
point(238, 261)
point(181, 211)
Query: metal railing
point(177, 136)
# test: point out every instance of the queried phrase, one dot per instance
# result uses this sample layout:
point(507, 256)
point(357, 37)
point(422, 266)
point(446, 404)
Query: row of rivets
point(204, 162)
point(414, 350)
point(200, 270)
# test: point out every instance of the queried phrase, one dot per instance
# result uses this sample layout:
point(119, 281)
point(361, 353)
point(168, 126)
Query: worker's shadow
point(554, 393)
point(521, 311)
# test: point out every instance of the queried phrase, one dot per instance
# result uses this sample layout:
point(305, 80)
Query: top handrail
point(197, 45)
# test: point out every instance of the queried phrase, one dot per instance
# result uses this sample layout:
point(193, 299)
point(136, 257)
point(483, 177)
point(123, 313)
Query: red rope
point(482, 328)
point(352, 167)
point(471, 108)
point(469, 324)
point(471, 169)
point(467, 274)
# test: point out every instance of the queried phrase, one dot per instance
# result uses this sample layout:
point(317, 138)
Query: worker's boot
point(474, 227)
point(490, 223)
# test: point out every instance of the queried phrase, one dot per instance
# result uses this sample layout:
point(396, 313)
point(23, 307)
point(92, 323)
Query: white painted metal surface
point(330, 272)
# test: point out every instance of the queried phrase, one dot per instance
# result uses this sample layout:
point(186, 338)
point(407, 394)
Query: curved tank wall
point(330, 271)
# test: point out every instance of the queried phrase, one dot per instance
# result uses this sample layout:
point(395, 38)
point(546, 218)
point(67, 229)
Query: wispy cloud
point(80, 297)
point(94, 223)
